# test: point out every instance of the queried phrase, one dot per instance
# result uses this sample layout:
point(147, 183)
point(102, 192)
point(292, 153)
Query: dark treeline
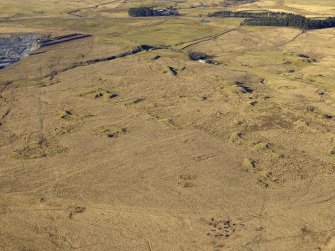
point(150, 12)
point(243, 14)
point(277, 19)
point(292, 21)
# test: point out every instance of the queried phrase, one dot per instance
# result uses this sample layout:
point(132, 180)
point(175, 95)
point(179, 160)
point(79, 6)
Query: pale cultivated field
point(124, 155)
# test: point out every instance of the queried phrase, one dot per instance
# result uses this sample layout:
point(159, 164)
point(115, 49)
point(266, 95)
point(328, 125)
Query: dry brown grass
point(236, 156)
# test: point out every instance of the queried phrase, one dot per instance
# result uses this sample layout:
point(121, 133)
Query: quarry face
point(15, 47)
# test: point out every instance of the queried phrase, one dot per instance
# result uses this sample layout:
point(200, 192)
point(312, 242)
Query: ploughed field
point(181, 132)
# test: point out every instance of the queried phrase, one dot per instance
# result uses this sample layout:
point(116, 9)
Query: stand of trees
point(277, 19)
point(293, 21)
point(150, 12)
point(243, 14)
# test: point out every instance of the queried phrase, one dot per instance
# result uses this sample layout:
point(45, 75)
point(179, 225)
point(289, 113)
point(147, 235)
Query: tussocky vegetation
point(166, 132)
point(281, 19)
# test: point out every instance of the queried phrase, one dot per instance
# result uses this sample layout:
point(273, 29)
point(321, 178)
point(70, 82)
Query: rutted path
point(294, 38)
point(205, 39)
point(3, 117)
